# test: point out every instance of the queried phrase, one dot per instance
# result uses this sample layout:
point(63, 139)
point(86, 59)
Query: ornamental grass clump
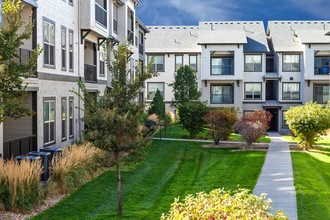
point(20, 190)
point(76, 165)
point(221, 204)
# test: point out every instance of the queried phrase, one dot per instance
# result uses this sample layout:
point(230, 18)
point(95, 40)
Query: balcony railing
point(90, 73)
point(100, 15)
point(324, 70)
point(19, 146)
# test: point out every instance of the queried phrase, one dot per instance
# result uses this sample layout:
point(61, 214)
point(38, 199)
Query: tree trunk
point(120, 201)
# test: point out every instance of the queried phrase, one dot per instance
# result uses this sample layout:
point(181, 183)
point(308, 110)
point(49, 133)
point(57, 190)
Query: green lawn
point(176, 131)
point(169, 169)
point(312, 182)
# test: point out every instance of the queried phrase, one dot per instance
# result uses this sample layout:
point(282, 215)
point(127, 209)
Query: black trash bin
point(45, 157)
point(20, 158)
point(53, 151)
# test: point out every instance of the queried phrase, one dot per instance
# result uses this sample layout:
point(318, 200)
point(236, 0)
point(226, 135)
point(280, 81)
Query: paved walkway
point(276, 178)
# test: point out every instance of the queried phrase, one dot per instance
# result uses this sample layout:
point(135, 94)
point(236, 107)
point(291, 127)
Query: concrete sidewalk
point(276, 178)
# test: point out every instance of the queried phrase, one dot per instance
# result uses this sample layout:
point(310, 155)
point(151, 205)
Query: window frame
point(227, 85)
point(323, 66)
point(283, 83)
point(64, 120)
point(71, 50)
point(315, 94)
point(254, 64)
point(148, 90)
point(154, 65)
point(259, 83)
point(223, 57)
point(299, 62)
point(49, 142)
point(193, 55)
point(115, 19)
point(71, 117)
point(63, 48)
point(49, 44)
point(177, 64)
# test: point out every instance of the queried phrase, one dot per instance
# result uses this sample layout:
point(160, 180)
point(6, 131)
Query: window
point(222, 94)
point(222, 66)
point(252, 63)
point(71, 119)
point(321, 65)
point(291, 63)
point(284, 124)
point(115, 19)
point(141, 43)
point(291, 91)
point(158, 62)
point(178, 62)
point(49, 121)
point(152, 89)
point(63, 117)
point(49, 42)
point(321, 93)
point(71, 50)
point(193, 62)
point(130, 26)
point(102, 61)
point(253, 91)
point(71, 2)
point(63, 47)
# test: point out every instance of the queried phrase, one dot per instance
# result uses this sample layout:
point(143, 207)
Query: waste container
point(45, 158)
point(31, 158)
point(53, 151)
point(20, 158)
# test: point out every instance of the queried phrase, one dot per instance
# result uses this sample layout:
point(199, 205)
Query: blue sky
point(189, 12)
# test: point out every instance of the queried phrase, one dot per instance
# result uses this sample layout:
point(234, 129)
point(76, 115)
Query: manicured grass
point(176, 131)
point(312, 182)
point(323, 142)
point(169, 169)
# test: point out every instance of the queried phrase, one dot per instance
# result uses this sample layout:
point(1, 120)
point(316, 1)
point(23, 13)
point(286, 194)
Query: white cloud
point(318, 8)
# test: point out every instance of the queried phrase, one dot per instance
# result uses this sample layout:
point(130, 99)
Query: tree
point(221, 123)
point(191, 116)
point(253, 125)
point(184, 86)
point(307, 122)
point(113, 121)
point(157, 106)
point(12, 73)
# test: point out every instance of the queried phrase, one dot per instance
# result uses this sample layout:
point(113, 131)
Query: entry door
point(273, 126)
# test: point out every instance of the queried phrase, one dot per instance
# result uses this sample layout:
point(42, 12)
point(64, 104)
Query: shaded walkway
point(276, 178)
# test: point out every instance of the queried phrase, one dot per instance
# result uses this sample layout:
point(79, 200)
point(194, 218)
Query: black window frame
point(254, 70)
point(291, 54)
point(71, 50)
point(154, 65)
point(177, 65)
point(223, 57)
point(283, 83)
point(245, 98)
point(48, 45)
point(148, 88)
point(64, 120)
point(71, 117)
point(63, 48)
point(315, 94)
point(196, 68)
point(324, 69)
point(227, 85)
point(50, 123)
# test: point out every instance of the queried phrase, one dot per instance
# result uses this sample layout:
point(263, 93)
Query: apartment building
point(72, 35)
point(241, 65)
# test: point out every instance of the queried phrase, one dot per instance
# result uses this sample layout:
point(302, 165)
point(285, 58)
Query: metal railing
point(19, 146)
point(100, 15)
point(90, 73)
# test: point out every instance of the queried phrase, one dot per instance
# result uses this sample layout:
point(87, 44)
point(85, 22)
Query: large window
point(71, 118)
point(63, 117)
point(178, 62)
point(63, 47)
point(193, 62)
point(222, 94)
point(158, 62)
point(291, 63)
point(71, 50)
point(321, 65)
point(49, 42)
point(291, 91)
point(130, 26)
point(102, 61)
point(152, 89)
point(115, 19)
point(49, 121)
point(252, 91)
point(222, 66)
point(322, 93)
point(253, 63)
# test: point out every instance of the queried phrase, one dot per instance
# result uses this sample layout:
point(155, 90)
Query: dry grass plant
point(20, 189)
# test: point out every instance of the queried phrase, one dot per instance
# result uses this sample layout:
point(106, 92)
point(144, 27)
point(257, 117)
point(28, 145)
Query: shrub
point(221, 122)
point(253, 125)
point(191, 116)
point(157, 106)
point(308, 122)
point(171, 116)
point(220, 204)
point(19, 185)
point(77, 165)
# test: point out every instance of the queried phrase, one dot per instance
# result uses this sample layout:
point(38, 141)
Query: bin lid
point(51, 149)
point(21, 157)
point(33, 157)
point(36, 153)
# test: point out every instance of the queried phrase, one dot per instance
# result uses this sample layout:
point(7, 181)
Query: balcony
point(19, 146)
point(90, 73)
point(321, 65)
point(100, 15)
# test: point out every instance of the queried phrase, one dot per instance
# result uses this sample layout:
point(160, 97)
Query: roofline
point(142, 25)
